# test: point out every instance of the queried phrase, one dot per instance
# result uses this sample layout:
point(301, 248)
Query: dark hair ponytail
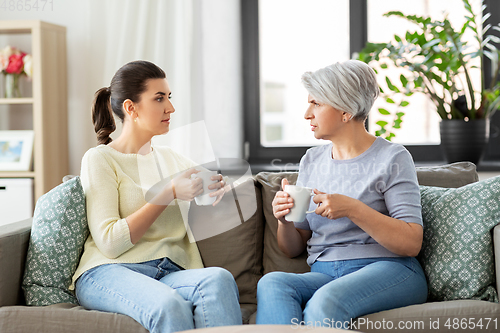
point(129, 82)
point(104, 123)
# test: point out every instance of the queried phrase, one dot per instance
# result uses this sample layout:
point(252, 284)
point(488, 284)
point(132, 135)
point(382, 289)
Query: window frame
point(287, 158)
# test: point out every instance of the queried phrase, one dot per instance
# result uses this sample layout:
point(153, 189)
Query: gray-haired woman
point(367, 225)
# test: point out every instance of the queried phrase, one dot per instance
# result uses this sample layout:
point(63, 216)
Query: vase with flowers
point(14, 64)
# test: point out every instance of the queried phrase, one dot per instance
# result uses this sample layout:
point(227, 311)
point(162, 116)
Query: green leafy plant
point(438, 59)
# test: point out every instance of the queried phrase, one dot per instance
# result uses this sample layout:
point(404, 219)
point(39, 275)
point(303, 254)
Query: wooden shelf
point(17, 174)
point(25, 100)
point(27, 27)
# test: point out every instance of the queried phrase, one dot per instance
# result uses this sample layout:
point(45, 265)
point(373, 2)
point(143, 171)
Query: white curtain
point(197, 43)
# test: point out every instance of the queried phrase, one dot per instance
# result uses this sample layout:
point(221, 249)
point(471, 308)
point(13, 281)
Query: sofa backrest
point(451, 175)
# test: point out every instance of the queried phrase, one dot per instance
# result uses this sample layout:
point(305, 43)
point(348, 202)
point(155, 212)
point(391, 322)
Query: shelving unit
point(25, 100)
point(48, 103)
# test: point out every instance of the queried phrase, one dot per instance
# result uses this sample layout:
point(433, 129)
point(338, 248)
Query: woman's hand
point(221, 187)
point(186, 188)
point(333, 206)
point(282, 203)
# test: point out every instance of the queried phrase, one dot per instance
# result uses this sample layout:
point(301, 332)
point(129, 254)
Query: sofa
point(249, 250)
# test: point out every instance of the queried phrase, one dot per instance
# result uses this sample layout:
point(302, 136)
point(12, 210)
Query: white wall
point(214, 78)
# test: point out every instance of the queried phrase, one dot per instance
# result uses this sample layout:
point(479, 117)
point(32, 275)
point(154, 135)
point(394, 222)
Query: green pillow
point(457, 251)
point(58, 234)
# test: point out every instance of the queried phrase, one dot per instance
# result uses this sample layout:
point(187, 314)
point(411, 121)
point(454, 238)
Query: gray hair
point(349, 86)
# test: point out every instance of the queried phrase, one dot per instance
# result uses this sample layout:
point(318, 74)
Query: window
point(274, 99)
point(283, 38)
point(294, 41)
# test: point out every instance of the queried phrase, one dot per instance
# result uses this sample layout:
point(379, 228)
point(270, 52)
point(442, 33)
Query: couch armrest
point(14, 240)
point(496, 249)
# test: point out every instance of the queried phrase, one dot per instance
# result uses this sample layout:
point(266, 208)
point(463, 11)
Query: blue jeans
point(161, 296)
point(334, 292)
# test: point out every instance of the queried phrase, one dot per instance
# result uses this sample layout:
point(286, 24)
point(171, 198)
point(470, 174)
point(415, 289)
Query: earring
point(344, 120)
point(135, 119)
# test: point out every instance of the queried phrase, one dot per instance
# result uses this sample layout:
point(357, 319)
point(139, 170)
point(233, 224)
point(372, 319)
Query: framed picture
point(16, 150)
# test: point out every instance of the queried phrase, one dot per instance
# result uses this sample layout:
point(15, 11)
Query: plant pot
point(464, 140)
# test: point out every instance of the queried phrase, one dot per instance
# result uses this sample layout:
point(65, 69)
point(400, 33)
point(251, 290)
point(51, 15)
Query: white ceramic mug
point(301, 198)
point(205, 199)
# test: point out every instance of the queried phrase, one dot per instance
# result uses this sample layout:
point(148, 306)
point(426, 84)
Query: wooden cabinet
point(48, 104)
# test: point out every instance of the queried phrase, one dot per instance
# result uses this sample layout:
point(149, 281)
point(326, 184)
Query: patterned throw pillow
point(457, 252)
point(58, 234)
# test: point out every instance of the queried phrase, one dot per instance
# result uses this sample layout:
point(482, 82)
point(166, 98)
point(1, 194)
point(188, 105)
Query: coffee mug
point(301, 197)
point(205, 199)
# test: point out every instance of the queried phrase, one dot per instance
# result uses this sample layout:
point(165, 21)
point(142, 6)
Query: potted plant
point(438, 58)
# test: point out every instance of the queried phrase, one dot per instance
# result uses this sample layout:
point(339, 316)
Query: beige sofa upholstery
point(248, 251)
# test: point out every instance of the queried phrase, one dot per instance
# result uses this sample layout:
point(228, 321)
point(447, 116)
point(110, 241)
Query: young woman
point(367, 226)
point(138, 260)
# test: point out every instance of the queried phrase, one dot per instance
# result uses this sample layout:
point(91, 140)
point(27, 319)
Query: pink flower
point(14, 61)
point(16, 64)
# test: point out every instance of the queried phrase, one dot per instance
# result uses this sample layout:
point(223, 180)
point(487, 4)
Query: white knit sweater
point(115, 185)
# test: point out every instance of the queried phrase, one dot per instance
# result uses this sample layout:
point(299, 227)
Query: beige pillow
point(238, 250)
point(450, 175)
point(274, 259)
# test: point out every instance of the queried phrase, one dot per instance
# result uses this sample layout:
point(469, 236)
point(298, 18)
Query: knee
point(221, 278)
point(169, 310)
point(172, 302)
point(323, 306)
point(272, 282)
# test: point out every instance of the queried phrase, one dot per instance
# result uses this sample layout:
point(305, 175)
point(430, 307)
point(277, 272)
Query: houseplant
point(438, 60)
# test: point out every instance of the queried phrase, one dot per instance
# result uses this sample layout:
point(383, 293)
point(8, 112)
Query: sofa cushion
point(273, 258)
point(449, 316)
point(457, 252)
point(449, 175)
point(239, 250)
point(58, 234)
point(64, 318)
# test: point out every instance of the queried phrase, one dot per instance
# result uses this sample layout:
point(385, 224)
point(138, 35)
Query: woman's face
point(154, 109)
point(324, 119)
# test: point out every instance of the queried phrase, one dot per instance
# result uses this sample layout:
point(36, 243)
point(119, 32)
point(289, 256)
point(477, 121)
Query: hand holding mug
point(212, 188)
point(302, 198)
point(282, 203)
point(219, 186)
point(186, 188)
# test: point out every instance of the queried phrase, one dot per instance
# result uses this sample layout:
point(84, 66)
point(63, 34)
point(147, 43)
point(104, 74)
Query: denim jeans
point(334, 292)
point(161, 296)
